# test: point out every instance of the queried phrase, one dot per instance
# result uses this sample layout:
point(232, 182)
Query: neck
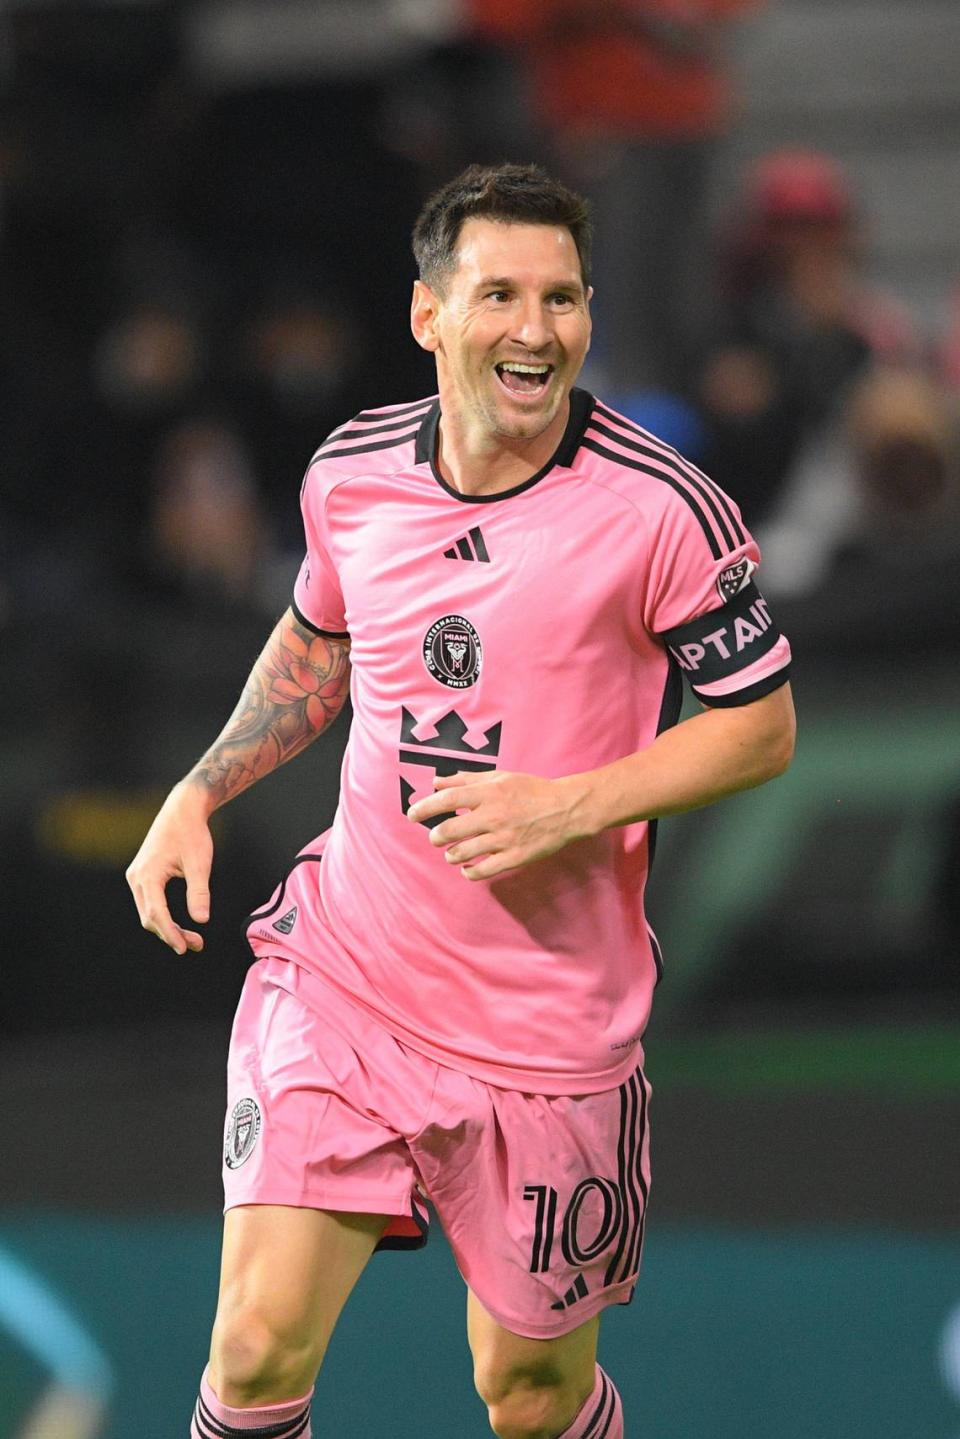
point(474, 462)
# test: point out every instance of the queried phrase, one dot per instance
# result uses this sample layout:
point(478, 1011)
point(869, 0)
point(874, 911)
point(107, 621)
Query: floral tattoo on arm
point(295, 691)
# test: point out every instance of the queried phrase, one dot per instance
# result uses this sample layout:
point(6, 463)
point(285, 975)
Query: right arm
point(295, 691)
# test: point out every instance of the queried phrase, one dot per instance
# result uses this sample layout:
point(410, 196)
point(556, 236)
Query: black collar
point(581, 406)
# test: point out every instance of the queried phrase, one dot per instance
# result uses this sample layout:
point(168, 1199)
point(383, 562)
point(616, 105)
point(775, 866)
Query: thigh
point(288, 1273)
point(543, 1198)
point(503, 1360)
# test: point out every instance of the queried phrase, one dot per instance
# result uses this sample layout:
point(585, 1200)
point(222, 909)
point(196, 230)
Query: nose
point(532, 326)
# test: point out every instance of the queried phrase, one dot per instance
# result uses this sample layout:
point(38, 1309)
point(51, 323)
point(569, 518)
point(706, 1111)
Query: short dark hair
point(512, 194)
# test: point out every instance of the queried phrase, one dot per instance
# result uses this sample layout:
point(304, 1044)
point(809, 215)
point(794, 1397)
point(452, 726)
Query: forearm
point(708, 756)
point(295, 691)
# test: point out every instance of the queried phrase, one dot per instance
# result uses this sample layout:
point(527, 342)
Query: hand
point(509, 819)
point(178, 845)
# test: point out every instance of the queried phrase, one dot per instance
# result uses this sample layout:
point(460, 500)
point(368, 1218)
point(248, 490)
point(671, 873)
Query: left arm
point(507, 820)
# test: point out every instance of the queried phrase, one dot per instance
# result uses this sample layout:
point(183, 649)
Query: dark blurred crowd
point(204, 269)
point(198, 280)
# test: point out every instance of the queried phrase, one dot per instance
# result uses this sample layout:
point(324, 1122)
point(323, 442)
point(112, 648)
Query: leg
point(285, 1277)
point(540, 1388)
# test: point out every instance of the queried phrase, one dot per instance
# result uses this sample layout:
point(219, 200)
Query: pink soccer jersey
point(545, 630)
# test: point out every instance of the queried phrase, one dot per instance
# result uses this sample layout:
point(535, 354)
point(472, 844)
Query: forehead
point(537, 254)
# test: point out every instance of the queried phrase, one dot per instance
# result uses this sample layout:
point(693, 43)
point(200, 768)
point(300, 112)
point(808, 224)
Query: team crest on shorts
point(452, 652)
point(243, 1130)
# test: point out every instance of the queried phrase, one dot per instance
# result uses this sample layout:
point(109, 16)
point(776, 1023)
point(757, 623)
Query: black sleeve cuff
point(309, 625)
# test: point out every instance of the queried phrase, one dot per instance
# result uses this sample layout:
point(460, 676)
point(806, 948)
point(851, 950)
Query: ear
point(424, 308)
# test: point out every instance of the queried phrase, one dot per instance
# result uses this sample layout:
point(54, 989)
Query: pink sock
point(213, 1420)
point(602, 1415)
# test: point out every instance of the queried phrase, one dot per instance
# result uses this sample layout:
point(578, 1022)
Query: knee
point(535, 1402)
point(254, 1358)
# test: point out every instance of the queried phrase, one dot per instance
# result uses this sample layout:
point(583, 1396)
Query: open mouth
point(521, 379)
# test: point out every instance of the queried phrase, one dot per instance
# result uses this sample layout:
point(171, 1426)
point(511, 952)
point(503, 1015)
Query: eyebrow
point(503, 282)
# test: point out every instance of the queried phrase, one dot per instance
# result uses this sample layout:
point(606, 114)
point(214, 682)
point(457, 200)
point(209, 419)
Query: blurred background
point(204, 266)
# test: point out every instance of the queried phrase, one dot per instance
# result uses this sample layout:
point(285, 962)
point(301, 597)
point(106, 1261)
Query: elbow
point(781, 749)
point(781, 732)
point(780, 757)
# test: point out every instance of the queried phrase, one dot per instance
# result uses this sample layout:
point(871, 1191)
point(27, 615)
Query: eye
point(499, 295)
point(560, 297)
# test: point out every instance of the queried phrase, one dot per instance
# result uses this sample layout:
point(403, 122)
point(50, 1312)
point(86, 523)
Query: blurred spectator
point(150, 366)
point(950, 346)
point(295, 366)
point(889, 579)
point(799, 325)
point(204, 532)
point(630, 97)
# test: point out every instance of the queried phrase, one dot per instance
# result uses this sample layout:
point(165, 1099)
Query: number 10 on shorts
point(577, 1244)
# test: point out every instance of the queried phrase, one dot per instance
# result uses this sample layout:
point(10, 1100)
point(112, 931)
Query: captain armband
point(718, 646)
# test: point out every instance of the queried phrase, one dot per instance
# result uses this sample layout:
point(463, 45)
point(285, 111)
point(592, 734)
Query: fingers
point(493, 865)
point(155, 917)
point(465, 777)
point(451, 793)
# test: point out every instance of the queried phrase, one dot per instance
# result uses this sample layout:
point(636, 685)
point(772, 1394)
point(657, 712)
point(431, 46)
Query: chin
point(526, 426)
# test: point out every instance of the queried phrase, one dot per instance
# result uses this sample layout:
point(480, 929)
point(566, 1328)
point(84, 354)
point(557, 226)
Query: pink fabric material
point(547, 605)
point(602, 1415)
point(542, 1197)
point(292, 1418)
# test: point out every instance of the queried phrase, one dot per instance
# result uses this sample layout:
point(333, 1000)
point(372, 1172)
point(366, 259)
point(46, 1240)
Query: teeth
point(525, 369)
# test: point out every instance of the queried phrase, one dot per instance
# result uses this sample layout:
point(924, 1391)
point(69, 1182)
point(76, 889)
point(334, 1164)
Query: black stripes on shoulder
point(332, 452)
point(704, 498)
point(394, 413)
point(373, 430)
point(715, 548)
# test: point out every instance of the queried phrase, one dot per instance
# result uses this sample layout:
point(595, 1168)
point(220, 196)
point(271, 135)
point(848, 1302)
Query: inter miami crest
point(243, 1129)
point(452, 652)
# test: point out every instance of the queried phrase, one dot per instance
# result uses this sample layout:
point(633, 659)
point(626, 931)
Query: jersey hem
point(500, 1076)
point(297, 1198)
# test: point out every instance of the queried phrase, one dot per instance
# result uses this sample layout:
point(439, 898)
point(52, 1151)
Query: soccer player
point(452, 983)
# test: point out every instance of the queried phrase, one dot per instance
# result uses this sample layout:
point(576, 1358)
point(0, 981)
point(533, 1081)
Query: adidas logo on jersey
point(463, 550)
point(577, 1290)
point(287, 922)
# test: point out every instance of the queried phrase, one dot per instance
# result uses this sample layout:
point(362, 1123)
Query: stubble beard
point(522, 428)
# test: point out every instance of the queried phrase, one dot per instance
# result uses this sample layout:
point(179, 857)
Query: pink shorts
point(542, 1198)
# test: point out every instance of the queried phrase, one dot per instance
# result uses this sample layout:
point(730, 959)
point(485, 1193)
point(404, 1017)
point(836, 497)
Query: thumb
point(197, 876)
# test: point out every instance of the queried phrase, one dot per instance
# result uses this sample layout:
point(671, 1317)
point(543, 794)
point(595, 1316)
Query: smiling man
point(452, 983)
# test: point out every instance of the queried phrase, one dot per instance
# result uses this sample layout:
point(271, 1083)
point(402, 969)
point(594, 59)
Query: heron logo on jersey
point(243, 1131)
point(452, 652)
